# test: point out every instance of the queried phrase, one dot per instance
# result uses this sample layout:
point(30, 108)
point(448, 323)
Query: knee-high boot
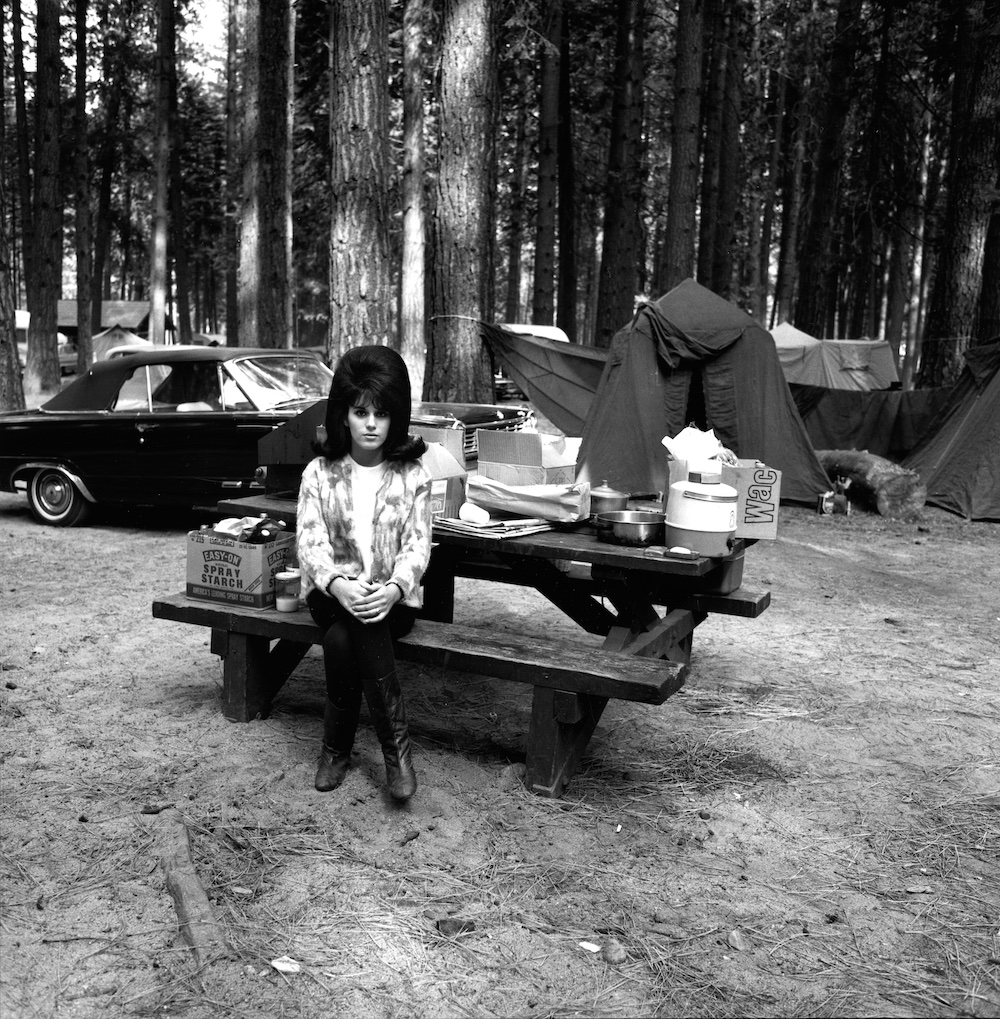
point(339, 726)
point(385, 704)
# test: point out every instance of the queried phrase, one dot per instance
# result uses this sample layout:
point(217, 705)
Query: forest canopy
point(317, 174)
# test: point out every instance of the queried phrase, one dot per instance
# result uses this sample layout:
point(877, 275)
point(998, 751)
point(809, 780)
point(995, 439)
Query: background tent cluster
point(959, 461)
point(692, 357)
point(835, 364)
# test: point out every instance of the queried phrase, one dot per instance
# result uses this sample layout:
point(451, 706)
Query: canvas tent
point(959, 461)
point(835, 364)
point(886, 422)
point(116, 336)
point(693, 357)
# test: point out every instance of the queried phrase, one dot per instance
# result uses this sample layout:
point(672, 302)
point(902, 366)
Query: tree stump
point(876, 483)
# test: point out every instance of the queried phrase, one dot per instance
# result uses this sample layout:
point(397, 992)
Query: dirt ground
point(810, 828)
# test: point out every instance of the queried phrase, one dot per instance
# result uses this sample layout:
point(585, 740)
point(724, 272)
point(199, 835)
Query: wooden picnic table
point(611, 590)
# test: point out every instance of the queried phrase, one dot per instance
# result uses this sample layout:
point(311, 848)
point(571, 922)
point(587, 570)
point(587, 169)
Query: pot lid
point(605, 491)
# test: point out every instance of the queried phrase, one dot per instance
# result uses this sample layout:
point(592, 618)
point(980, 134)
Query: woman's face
point(369, 429)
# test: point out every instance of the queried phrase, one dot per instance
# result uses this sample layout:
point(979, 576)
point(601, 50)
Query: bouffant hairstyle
point(371, 375)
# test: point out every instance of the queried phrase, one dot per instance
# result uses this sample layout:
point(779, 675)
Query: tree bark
point(816, 262)
point(361, 298)
point(23, 142)
point(971, 180)
point(413, 279)
point(84, 252)
point(177, 249)
point(566, 311)
point(11, 389)
point(679, 244)
point(876, 483)
point(547, 192)
point(158, 266)
point(622, 241)
point(714, 73)
point(462, 253)
point(41, 371)
point(724, 233)
point(265, 275)
point(233, 162)
point(516, 216)
point(112, 76)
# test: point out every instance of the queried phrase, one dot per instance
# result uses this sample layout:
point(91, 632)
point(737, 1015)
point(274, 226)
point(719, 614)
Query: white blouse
point(365, 483)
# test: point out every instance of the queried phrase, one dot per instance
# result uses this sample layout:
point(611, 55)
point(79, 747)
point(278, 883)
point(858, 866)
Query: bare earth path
point(811, 828)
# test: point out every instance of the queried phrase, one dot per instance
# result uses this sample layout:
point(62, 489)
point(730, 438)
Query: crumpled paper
point(698, 447)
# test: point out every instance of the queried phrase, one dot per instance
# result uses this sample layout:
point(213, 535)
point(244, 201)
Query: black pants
point(353, 650)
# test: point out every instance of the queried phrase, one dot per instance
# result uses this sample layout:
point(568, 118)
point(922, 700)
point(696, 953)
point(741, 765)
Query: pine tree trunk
point(177, 248)
point(816, 263)
point(547, 198)
point(158, 268)
point(113, 71)
point(770, 196)
point(413, 280)
point(233, 163)
point(361, 297)
point(515, 226)
point(84, 256)
point(715, 62)
point(462, 226)
point(618, 279)
point(566, 288)
point(265, 271)
point(679, 244)
point(724, 241)
point(11, 389)
point(41, 370)
point(970, 187)
point(23, 156)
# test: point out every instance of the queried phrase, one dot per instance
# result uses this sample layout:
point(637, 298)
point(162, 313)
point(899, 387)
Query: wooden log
point(198, 924)
point(875, 482)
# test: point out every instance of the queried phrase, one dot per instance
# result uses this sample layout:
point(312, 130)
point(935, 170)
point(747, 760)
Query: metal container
point(630, 527)
point(604, 499)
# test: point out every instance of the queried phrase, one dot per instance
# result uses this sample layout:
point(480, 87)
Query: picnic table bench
point(644, 656)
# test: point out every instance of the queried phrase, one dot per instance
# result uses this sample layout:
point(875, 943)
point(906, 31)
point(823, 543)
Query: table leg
point(253, 673)
point(561, 727)
point(439, 587)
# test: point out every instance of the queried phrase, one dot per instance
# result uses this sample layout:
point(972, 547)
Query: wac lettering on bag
point(761, 506)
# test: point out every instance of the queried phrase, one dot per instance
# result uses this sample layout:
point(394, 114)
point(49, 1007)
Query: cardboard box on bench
point(758, 491)
point(223, 569)
point(527, 458)
point(448, 474)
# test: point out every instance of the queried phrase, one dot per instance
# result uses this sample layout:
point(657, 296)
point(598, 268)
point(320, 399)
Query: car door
point(190, 451)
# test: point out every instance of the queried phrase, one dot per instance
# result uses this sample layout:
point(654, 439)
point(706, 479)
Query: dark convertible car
point(175, 426)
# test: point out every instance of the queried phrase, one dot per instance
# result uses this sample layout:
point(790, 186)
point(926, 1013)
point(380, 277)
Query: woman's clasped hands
point(367, 602)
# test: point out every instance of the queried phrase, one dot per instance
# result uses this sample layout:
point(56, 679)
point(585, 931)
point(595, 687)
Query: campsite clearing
point(811, 827)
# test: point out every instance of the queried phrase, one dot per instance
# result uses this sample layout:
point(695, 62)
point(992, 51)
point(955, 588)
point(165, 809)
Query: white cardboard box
point(527, 458)
point(758, 492)
point(449, 477)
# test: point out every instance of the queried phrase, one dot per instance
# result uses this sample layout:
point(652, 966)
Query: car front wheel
point(54, 499)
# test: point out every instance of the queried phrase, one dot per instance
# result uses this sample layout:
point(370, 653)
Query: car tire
point(55, 500)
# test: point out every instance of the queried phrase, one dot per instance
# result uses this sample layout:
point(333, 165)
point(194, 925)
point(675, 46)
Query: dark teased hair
point(373, 375)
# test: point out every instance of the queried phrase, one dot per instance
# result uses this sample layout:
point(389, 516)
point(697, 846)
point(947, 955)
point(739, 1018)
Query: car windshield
point(270, 383)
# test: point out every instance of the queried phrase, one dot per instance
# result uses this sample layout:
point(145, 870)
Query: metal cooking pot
point(631, 527)
point(604, 499)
